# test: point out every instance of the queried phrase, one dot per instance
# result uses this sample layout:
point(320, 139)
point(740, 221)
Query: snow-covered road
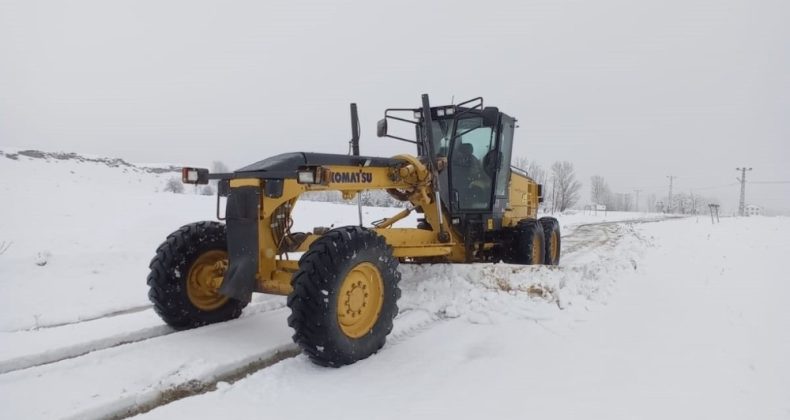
point(658, 320)
point(130, 362)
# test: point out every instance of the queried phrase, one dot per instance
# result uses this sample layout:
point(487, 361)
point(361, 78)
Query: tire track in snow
point(119, 312)
point(151, 329)
point(115, 380)
point(585, 237)
point(595, 235)
point(407, 325)
point(197, 387)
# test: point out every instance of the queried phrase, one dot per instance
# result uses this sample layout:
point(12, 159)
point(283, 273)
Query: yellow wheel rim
point(360, 300)
point(554, 248)
point(536, 250)
point(205, 277)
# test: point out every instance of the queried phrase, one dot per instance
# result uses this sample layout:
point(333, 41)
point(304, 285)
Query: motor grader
point(343, 290)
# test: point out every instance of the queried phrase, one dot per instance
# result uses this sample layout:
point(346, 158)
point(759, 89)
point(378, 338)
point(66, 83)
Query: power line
point(715, 186)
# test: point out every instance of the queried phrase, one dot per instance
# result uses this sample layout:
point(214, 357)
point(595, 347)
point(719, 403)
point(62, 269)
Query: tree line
point(561, 190)
point(681, 202)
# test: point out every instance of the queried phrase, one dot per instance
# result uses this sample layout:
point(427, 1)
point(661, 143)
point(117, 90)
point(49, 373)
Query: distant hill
point(26, 170)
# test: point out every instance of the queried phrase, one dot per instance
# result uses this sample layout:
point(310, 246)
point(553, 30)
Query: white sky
point(630, 90)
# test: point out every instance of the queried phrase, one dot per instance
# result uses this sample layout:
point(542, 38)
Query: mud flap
point(242, 226)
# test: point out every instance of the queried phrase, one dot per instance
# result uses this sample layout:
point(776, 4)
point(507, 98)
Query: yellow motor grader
point(343, 290)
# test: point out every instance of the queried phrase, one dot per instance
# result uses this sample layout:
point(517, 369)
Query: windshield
point(442, 130)
point(469, 129)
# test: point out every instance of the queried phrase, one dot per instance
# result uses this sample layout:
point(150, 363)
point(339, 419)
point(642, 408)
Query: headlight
point(306, 176)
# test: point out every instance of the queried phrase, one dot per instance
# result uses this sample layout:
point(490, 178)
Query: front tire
point(344, 296)
point(185, 277)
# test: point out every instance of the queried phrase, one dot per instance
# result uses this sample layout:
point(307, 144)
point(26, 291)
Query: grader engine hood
point(287, 164)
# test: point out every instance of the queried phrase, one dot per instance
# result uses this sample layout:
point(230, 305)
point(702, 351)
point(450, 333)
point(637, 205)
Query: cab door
point(479, 169)
point(507, 126)
point(472, 166)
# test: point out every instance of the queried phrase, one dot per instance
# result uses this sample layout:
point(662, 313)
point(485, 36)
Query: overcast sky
point(630, 90)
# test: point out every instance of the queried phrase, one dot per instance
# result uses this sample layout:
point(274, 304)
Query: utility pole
point(636, 206)
point(742, 180)
point(669, 199)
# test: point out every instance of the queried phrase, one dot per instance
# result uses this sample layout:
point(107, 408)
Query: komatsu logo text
point(352, 177)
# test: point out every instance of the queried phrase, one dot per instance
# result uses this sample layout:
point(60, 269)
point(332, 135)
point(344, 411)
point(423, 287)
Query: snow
point(696, 330)
point(644, 318)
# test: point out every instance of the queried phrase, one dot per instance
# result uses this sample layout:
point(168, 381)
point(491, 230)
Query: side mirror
point(381, 128)
point(490, 116)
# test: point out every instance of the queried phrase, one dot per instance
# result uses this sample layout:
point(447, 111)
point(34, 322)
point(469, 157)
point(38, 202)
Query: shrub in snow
point(174, 185)
point(207, 190)
point(42, 258)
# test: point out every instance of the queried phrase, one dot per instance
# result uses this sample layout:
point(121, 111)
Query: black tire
point(315, 299)
point(169, 276)
point(551, 231)
point(526, 244)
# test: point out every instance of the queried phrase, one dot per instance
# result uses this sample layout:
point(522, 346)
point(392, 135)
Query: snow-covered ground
point(648, 318)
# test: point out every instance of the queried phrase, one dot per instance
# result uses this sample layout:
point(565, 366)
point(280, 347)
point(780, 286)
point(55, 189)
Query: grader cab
point(343, 290)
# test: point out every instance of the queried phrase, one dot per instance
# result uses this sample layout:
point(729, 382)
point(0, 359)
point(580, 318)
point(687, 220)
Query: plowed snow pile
point(648, 318)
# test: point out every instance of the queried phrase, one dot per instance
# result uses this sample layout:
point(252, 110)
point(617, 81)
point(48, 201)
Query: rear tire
point(552, 239)
point(327, 292)
point(526, 244)
point(186, 254)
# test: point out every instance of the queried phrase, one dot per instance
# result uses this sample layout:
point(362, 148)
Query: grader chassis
point(343, 291)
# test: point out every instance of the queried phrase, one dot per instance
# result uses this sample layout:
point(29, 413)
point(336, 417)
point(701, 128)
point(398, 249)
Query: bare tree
point(207, 190)
point(537, 173)
point(219, 167)
point(533, 169)
point(174, 185)
point(4, 247)
point(520, 162)
point(627, 201)
point(651, 203)
point(599, 190)
point(614, 201)
point(566, 187)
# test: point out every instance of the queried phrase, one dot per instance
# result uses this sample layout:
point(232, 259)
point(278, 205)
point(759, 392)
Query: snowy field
point(646, 317)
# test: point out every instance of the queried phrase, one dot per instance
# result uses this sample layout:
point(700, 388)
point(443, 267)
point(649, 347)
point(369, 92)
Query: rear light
point(194, 176)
